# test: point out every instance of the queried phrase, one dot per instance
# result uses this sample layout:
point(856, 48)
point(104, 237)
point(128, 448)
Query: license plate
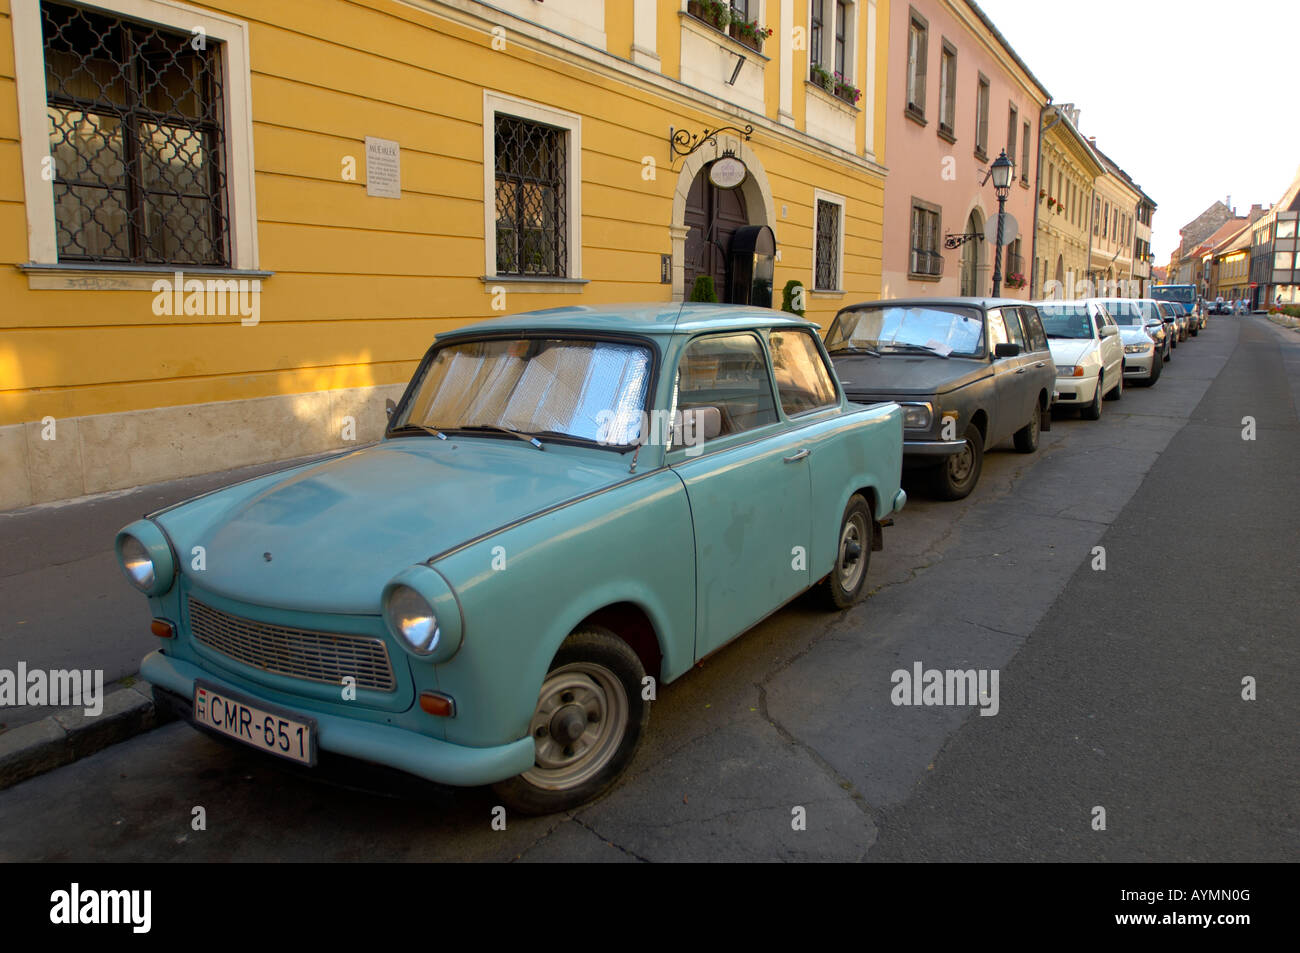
point(256, 724)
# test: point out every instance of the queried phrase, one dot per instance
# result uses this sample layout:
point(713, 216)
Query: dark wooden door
point(712, 215)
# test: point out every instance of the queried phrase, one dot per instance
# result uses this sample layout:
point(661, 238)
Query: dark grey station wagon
point(969, 373)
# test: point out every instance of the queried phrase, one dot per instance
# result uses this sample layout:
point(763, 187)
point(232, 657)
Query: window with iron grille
point(827, 242)
point(135, 123)
point(1015, 264)
point(948, 90)
point(926, 258)
point(531, 198)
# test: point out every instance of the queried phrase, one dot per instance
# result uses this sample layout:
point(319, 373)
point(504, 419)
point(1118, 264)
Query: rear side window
point(1034, 329)
point(1013, 327)
point(729, 372)
point(802, 380)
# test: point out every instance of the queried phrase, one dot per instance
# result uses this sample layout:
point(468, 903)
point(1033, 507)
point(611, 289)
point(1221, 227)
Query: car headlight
point(413, 620)
point(1069, 370)
point(918, 416)
point(423, 614)
point(1136, 348)
point(146, 557)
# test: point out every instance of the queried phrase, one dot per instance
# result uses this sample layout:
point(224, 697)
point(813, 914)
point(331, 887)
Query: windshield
point(1184, 293)
point(591, 390)
point(1133, 312)
point(944, 331)
point(1066, 320)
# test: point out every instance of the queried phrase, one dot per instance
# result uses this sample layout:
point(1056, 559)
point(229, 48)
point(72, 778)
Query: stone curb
point(71, 735)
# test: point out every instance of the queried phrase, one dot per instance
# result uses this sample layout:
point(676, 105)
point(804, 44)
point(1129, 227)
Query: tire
point(847, 583)
point(1093, 410)
point(595, 673)
point(1117, 392)
point(956, 477)
point(1157, 365)
point(1027, 436)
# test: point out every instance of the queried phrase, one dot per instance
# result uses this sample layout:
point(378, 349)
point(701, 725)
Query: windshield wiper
point(856, 349)
point(423, 427)
point(915, 347)
point(526, 438)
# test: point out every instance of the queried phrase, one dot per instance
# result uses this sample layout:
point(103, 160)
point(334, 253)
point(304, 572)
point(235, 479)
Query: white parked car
point(1143, 354)
point(1087, 351)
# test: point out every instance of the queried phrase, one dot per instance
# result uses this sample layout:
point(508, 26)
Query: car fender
point(524, 589)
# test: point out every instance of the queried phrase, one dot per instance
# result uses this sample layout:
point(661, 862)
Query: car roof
point(655, 318)
point(969, 302)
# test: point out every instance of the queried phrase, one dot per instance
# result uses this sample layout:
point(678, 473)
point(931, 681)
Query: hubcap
point(581, 716)
point(851, 565)
point(961, 464)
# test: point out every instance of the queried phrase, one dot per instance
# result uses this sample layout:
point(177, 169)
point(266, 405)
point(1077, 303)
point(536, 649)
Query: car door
point(1039, 367)
point(1009, 384)
point(1112, 348)
point(749, 489)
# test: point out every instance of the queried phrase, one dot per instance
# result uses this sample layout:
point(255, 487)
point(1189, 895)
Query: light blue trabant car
point(568, 508)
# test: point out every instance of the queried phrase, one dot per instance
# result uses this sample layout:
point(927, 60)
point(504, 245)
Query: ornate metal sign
point(728, 172)
point(956, 241)
point(682, 143)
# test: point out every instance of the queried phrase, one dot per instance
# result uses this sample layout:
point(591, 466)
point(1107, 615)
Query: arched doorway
point(754, 198)
point(712, 216)
point(972, 258)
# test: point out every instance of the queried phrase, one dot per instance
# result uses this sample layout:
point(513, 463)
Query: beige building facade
point(1069, 169)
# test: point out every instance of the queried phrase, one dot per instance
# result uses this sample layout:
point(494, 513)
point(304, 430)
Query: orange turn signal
point(436, 703)
point(162, 628)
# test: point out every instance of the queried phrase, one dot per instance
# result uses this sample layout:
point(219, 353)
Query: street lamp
point(1000, 170)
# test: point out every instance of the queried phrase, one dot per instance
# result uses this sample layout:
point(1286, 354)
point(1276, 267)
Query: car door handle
point(1022, 370)
point(1040, 364)
point(796, 457)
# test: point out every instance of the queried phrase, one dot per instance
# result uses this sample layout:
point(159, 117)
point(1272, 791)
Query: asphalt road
point(1118, 688)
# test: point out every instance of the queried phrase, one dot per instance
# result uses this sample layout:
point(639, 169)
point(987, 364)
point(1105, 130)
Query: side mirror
point(1006, 350)
point(1109, 330)
point(389, 406)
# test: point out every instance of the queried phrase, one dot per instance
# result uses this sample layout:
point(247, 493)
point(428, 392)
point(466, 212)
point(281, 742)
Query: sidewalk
point(65, 603)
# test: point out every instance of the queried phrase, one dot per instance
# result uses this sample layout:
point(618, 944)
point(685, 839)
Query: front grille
point(297, 653)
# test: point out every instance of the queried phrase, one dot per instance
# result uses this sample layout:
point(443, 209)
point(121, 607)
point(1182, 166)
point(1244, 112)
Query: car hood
point(327, 537)
point(1069, 350)
point(1132, 335)
point(906, 375)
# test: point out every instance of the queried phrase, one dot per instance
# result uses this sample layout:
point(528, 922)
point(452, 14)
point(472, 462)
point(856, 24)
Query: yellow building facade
point(229, 231)
point(1069, 169)
point(1115, 203)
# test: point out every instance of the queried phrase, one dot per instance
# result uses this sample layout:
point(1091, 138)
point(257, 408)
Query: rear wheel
point(847, 583)
point(589, 719)
point(957, 475)
point(1027, 436)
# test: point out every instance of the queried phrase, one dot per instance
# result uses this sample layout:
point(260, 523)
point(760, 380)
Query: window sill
point(724, 40)
point(945, 135)
point(981, 154)
point(526, 285)
point(916, 276)
point(916, 117)
point(842, 104)
point(827, 293)
point(92, 277)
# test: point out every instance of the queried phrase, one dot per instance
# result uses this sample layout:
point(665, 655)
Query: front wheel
point(956, 476)
point(1093, 410)
point(1117, 392)
point(589, 719)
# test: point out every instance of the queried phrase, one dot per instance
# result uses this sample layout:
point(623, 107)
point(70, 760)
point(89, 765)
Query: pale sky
point(1195, 99)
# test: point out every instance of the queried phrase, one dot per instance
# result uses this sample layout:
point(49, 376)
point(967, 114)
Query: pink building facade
point(958, 95)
